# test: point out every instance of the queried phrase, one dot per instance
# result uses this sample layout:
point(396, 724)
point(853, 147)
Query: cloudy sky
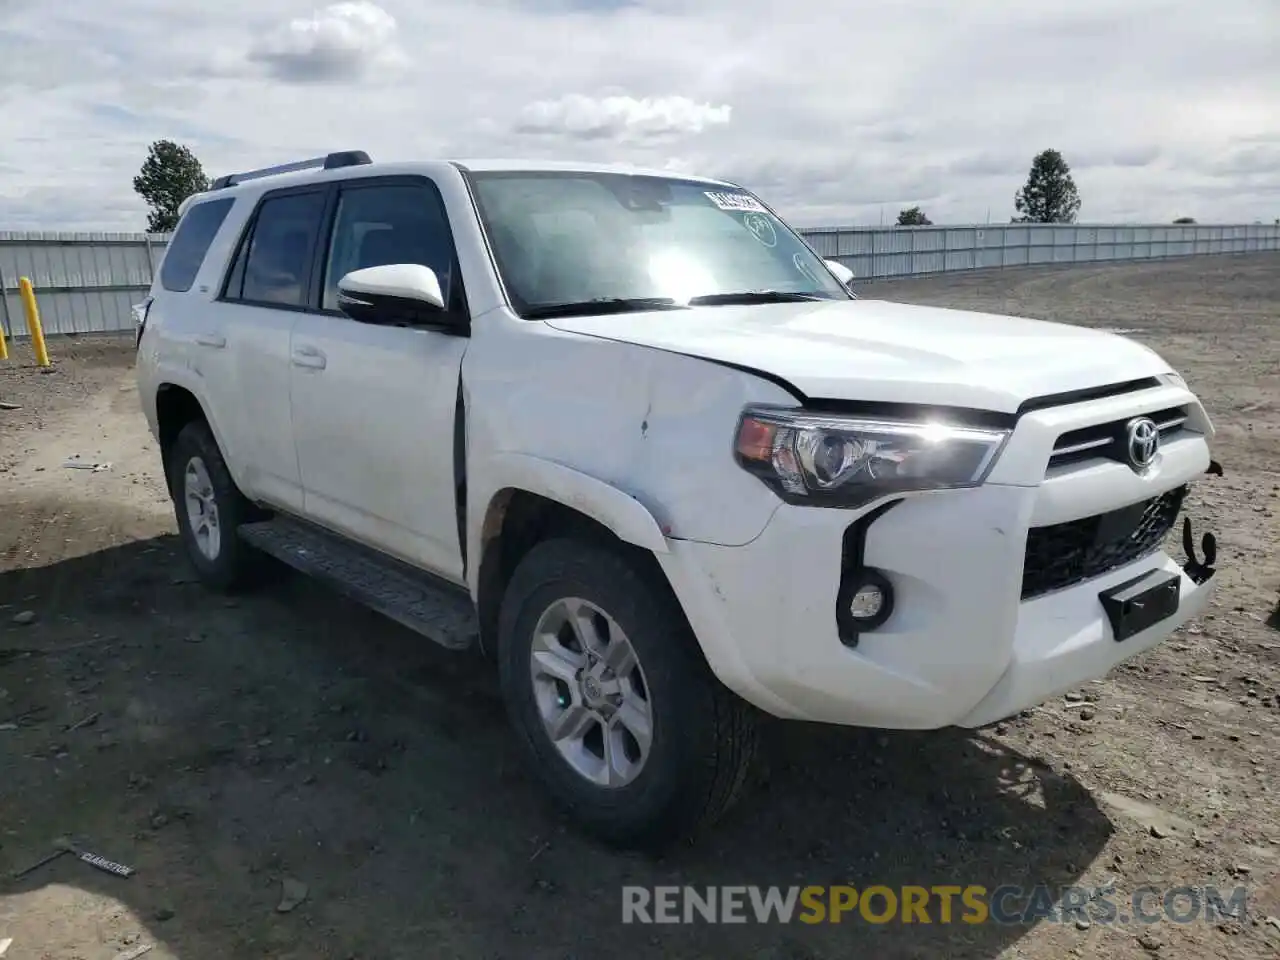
point(835, 111)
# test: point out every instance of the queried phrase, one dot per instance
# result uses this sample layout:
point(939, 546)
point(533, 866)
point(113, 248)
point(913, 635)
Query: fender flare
point(627, 517)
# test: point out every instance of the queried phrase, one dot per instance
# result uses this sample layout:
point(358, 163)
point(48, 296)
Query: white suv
point(626, 433)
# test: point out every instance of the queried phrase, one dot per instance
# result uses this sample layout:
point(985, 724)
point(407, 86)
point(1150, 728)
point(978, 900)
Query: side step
point(434, 608)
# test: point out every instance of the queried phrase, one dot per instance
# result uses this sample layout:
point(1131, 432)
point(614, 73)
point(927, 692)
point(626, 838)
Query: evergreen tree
point(1049, 195)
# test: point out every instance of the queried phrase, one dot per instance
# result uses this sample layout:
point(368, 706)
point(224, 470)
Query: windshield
point(598, 242)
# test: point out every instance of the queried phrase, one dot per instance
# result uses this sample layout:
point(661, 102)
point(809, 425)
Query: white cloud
point(343, 41)
point(582, 117)
point(834, 112)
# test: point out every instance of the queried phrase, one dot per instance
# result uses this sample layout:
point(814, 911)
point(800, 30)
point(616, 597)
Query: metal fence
point(882, 252)
point(86, 282)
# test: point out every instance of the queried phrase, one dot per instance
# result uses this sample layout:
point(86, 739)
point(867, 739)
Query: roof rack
point(332, 161)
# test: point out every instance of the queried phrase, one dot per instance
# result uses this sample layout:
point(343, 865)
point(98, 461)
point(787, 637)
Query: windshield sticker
point(760, 228)
point(735, 201)
point(804, 268)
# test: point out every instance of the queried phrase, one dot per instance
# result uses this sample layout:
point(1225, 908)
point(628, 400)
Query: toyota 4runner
point(625, 433)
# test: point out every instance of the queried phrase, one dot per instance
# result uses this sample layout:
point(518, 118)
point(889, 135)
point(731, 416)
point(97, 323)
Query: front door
point(374, 406)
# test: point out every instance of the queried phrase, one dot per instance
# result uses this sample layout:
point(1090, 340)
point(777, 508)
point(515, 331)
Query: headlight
point(1173, 380)
point(848, 461)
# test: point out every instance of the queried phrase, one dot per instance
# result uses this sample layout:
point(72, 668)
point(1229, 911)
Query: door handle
point(215, 340)
point(309, 357)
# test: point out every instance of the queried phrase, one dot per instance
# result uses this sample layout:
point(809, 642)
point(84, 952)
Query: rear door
point(374, 406)
point(264, 295)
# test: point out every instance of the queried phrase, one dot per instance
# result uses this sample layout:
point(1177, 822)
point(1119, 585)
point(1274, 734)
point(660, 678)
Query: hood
point(875, 350)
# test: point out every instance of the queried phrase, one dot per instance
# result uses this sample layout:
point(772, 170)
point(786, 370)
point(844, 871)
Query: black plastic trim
point(330, 161)
point(320, 253)
point(957, 416)
point(346, 158)
point(426, 577)
point(460, 468)
point(1097, 545)
point(393, 311)
point(884, 410)
point(854, 573)
point(1087, 394)
point(972, 416)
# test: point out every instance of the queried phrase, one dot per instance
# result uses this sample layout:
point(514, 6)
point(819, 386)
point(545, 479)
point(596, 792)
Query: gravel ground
point(230, 750)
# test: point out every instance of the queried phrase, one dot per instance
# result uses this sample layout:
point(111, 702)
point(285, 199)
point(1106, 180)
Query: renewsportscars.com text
point(970, 904)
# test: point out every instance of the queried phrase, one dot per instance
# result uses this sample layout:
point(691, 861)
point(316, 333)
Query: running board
point(426, 605)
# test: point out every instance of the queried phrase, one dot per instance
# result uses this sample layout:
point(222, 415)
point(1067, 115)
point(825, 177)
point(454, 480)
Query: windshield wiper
point(602, 305)
point(753, 296)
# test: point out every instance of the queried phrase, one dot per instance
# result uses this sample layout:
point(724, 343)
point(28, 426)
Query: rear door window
point(273, 268)
point(188, 246)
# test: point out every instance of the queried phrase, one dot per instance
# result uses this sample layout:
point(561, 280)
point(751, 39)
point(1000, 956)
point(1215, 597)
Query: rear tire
point(701, 737)
point(210, 509)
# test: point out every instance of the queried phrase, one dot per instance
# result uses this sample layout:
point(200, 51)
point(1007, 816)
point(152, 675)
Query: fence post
point(151, 261)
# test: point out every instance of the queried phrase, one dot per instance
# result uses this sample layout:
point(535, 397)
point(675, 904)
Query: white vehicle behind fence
point(625, 433)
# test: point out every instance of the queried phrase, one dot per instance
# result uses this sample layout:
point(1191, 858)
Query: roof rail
point(332, 161)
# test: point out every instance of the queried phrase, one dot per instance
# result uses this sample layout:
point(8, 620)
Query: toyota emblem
point(1143, 439)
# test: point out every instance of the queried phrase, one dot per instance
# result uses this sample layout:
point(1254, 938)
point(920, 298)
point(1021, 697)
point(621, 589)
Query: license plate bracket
point(1142, 602)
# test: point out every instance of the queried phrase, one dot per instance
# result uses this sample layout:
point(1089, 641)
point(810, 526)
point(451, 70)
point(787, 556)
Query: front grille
point(1065, 554)
point(1108, 440)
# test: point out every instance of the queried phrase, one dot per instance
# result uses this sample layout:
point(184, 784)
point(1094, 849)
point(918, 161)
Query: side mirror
point(395, 294)
point(842, 273)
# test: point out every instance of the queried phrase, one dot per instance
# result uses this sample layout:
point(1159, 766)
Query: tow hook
point(1199, 571)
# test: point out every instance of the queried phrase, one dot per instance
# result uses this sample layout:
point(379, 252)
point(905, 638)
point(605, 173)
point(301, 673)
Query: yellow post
point(4, 318)
point(33, 321)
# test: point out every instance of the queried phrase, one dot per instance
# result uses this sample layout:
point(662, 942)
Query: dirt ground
point(227, 749)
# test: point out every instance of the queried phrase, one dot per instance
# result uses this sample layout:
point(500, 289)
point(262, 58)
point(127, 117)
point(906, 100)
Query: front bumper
point(1062, 641)
point(962, 647)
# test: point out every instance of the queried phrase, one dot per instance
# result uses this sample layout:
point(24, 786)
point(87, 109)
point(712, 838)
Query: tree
point(170, 174)
point(1185, 220)
point(1049, 195)
point(913, 217)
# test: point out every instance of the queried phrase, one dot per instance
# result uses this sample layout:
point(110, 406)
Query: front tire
point(614, 707)
point(209, 509)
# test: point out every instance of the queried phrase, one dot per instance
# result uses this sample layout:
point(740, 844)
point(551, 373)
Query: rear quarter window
point(191, 242)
